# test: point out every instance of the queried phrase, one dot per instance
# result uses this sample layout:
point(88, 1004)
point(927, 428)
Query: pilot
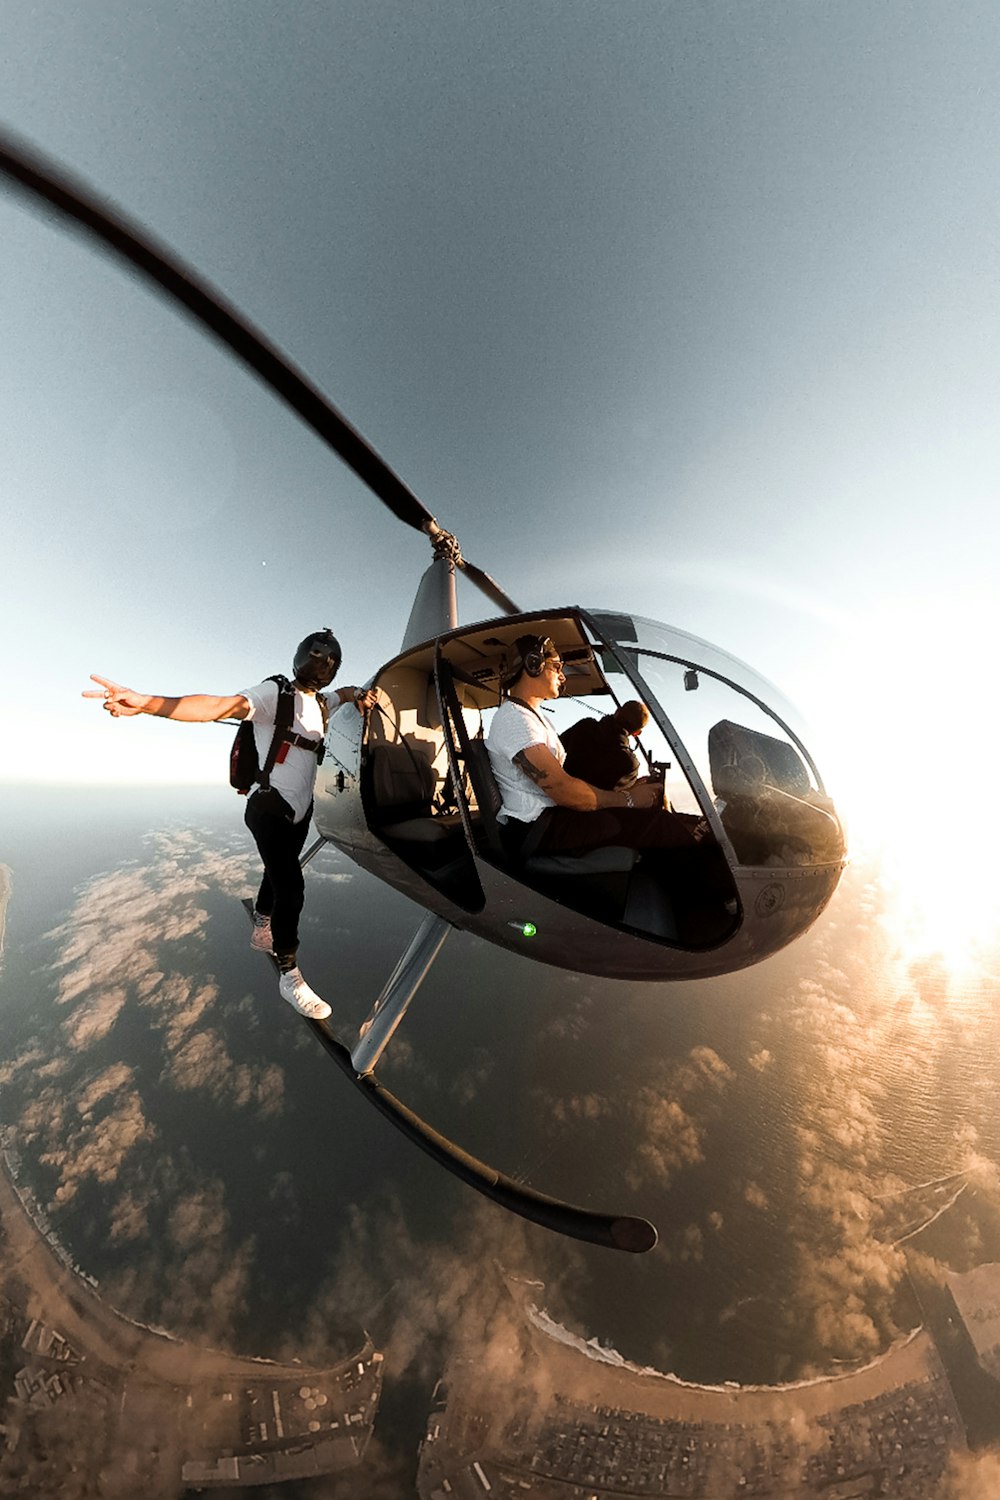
point(598, 750)
point(278, 818)
point(545, 810)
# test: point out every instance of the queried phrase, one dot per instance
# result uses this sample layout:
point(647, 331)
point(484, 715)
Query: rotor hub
point(445, 545)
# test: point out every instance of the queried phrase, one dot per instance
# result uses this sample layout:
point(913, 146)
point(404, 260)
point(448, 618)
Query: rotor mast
point(435, 609)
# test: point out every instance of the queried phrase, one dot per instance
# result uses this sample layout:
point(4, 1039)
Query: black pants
point(279, 842)
point(630, 827)
point(678, 846)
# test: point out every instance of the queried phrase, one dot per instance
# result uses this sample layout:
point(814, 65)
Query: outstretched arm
point(538, 762)
point(194, 708)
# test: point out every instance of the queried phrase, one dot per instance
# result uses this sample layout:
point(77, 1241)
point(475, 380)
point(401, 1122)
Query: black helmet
point(317, 659)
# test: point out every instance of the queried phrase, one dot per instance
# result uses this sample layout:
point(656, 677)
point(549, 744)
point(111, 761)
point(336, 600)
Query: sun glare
point(946, 908)
point(919, 720)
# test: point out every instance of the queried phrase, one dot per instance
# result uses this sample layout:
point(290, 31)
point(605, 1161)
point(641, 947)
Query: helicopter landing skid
point(614, 1231)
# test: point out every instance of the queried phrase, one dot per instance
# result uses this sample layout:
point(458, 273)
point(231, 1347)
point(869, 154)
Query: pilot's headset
point(529, 656)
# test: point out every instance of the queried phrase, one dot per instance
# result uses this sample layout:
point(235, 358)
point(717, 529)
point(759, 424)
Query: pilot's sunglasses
point(554, 661)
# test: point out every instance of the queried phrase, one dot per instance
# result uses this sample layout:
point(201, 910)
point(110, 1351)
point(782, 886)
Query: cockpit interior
point(718, 739)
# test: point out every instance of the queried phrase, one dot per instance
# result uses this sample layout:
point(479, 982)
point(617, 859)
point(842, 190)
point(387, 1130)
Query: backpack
point(245, 771)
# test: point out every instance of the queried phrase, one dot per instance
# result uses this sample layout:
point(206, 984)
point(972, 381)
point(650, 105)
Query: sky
point(684, 309)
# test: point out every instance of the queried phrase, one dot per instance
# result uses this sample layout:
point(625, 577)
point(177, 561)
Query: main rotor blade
point(76, 205)
point(489, 587)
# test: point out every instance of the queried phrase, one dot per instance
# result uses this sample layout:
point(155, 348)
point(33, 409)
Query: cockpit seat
point(766, 801)
point(743, 761)
point(429, 828)
point(403, 784)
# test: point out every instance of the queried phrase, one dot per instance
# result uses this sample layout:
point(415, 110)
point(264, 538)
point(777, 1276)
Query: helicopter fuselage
point(406, 793)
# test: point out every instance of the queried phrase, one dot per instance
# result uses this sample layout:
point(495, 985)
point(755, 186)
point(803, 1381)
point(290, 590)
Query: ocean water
point(202, 1158)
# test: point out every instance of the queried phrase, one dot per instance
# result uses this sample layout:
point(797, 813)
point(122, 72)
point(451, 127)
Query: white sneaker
point(293, 988)
point(260, 938)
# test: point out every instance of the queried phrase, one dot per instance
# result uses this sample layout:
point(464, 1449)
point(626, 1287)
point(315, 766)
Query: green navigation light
point(526, 929)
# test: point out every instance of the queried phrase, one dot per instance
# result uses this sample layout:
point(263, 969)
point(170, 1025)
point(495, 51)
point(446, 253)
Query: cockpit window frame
point(625, 657)
point(635, 649)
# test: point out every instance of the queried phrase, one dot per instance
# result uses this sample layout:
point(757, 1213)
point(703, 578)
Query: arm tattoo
point(540, 778)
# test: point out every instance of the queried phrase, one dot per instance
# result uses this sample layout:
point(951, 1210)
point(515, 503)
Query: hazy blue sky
point(683, 308)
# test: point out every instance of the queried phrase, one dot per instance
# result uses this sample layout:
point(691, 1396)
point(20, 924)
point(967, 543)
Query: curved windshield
point(739, 740)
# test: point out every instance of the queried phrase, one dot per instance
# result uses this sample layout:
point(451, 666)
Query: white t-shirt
point(514, 728)
point(295, 776)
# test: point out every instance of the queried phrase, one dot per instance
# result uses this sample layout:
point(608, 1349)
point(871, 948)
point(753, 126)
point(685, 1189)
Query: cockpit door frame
point(447, 730)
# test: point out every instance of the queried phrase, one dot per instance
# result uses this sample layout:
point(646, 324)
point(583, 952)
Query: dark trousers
point(279, 842)
point(678, 846)
point(630, 827)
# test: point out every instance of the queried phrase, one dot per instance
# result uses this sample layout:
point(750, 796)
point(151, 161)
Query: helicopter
point(407, 792)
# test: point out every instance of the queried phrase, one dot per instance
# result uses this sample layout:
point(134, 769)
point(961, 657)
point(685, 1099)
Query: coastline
point(6, 891)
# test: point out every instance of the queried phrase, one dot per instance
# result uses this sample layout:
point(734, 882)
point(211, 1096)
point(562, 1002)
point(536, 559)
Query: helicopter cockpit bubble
point(723, 741)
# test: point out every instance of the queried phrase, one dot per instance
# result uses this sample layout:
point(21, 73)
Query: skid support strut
point(403, 983)
point(314, 848)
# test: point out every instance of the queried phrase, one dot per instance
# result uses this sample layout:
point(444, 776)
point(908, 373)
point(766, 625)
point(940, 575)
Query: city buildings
point(87, 1391)
point(583, 1423)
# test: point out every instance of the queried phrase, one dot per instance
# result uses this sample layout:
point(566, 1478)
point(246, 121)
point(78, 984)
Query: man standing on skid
point(279, 816)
